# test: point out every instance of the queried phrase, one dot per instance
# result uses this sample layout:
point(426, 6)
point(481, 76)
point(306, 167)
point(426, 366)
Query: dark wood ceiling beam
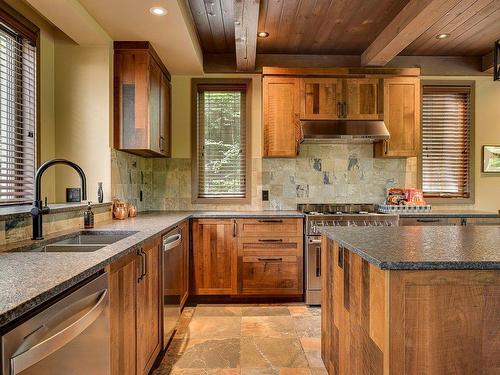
point(415, 18)
point(246, 17)
point(429, 65)
point(487, 63)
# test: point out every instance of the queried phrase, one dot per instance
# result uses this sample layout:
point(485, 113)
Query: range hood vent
point(343, 131)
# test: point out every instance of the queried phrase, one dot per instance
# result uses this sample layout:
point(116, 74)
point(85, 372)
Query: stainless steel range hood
point(343, 131)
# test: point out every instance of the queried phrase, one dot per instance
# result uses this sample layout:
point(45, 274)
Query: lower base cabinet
point(270, 266)
point(247, 257)
point(135, 310)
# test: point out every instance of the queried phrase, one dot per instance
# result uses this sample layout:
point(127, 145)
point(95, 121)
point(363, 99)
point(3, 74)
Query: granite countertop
point(422, 247)
point(451, 213)
point(28, 279)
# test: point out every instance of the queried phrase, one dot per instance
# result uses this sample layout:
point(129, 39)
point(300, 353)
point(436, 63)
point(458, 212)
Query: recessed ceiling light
point(158, 11)
point(442, 36)
point(263, 34)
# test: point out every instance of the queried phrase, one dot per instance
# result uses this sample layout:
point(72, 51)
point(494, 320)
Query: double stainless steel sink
point(80, 242)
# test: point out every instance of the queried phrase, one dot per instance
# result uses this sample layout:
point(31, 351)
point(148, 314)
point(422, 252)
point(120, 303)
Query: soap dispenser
point(88, 217)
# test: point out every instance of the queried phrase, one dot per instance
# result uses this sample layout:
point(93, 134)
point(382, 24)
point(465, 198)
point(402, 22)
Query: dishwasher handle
point(38, 352)
point(171, 241)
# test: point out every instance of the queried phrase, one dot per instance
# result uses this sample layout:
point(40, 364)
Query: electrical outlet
point(265, 195)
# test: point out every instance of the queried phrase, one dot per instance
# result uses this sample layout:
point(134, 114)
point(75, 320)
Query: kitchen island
point(411, 300)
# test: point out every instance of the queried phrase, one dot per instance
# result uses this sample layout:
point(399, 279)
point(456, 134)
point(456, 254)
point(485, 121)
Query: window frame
point(28, 30)
point(472, 153)
point(195, 82)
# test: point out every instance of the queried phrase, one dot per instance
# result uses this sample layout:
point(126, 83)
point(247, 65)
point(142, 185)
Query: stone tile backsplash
point(340, 173)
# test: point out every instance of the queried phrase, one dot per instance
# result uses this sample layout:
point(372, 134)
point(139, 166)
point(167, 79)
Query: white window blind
point(446, 132)
point(221, 141)
point(17, 116)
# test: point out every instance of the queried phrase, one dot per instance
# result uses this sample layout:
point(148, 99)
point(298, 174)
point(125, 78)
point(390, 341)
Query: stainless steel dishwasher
point(70, 336)
point(172, 281)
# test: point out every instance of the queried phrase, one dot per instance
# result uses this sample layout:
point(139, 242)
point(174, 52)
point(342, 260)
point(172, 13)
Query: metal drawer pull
point(270, 221)
point(270, 259)
point(43, 349)
point(143, 261)
point(171, 242)
point(271, 240)
point(428, 220)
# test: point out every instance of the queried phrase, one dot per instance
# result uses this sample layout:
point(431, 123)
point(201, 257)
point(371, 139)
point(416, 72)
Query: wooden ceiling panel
point(323, 26)
point(214, 20)
point(473, 25)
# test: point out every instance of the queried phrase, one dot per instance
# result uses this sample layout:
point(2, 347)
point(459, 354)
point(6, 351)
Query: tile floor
point(246, 340)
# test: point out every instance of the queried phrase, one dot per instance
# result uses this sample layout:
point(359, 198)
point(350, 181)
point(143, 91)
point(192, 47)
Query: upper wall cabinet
point(294, 94)
point(281, 116)
point(335, 99)
point(320, 98)
point(402, 117)
point(142, 100)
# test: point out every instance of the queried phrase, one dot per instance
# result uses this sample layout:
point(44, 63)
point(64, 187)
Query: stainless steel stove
point(332, 215)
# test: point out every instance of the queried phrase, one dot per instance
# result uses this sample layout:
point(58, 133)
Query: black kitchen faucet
point(38, 209)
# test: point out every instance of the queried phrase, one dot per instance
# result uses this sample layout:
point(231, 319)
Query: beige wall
point(487, 131)
point(83, 106)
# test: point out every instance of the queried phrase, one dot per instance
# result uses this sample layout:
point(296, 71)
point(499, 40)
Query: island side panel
point(354, 313)
point(445, 322)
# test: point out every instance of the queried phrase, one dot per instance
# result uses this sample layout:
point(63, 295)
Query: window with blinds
point(446, 141)
point(222, 141)
point(17, 115)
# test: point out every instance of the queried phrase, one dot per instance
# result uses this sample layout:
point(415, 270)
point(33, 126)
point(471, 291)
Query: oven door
point(313, 268)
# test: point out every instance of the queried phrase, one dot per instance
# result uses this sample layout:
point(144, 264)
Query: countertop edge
point(422, 265)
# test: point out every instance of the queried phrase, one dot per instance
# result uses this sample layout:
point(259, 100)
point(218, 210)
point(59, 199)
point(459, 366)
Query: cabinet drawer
point(279, 246)
point(270, 274)
point(270, 266)
point(270, 227)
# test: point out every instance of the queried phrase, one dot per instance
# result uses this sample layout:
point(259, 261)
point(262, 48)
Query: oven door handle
point(318, 261)
point(41, 350)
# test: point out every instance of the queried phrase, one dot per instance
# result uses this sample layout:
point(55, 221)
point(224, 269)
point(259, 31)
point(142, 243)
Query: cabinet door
point(148, 308)
point(363, 99)
point(321, 98)
point(281, 116)
point(185, 263)
point(270, 266)
point(402, 117)
point(131, 98)
point(165, 117)
point(214, 257)
point(155, 102)
point(122, 300)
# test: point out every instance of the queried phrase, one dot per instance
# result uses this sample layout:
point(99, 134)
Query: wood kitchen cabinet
point(337, 99)
point(148, 307)
point(122, 302)
point(270, 256)
point(321, 98)
point(214, 257)
point(142, 100)
point(280, 96)
point(402, 118)
point(270, 266)
point(135, 310)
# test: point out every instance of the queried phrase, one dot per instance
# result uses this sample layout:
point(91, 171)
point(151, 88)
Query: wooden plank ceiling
point(349, 27)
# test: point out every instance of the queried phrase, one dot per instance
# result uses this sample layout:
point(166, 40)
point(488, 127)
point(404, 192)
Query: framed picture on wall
point(491, 159)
